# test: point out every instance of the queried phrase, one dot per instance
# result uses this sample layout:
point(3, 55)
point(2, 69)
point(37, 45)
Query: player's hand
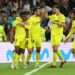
point(21, 24)
point(54, 22)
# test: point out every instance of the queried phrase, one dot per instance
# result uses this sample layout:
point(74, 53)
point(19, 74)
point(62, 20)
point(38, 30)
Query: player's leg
point(38, 45)
point(38, 56)
point(15, 54)
point(30, 48)
point(22, 49)
point(54, 56)
point(56, 52)
point(63, 61)
point(15, 58)
point(27, 65)
point(73, 47)
point(53, 41)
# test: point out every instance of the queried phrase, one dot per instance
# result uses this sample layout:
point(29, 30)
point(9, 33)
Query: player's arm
point(13, 31)
point(27, 27)
point(70, 33)
point(27, 35)
point(12, 34)
point(21, 24)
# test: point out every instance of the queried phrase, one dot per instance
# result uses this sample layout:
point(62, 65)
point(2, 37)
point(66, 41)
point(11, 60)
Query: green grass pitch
point(69, 69)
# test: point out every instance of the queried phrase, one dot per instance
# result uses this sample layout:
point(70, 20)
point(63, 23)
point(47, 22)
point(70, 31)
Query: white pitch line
point(35, 70)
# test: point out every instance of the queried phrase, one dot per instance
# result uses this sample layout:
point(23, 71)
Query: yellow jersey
point(35, 22)
point(19, 31)
point(28, 27)
point(55, 28)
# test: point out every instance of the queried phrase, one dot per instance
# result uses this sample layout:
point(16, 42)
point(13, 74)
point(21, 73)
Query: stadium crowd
point(10, 9)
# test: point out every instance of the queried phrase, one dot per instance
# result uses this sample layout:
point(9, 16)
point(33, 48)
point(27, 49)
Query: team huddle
point(26, 34)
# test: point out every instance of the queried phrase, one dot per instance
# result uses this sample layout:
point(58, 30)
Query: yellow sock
point(17, 59)
point(28, 57)
point(14, 56)
point(54, 58)
point(23, 58)
point(37, 58)
point(60, 55)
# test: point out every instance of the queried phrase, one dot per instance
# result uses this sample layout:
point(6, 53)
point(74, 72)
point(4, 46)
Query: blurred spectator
point(7, 30)
point(68, 24)
point(20, 4)
point(44, 11)
point(28, 4)
point(10, 5)
point(57, 2)
point(12, 17)
point(47, 33)
point(6, 9)
point(4, 18)
point(72, 3)
point(44, 8)
point(49, 3)
point(37, 2)
point(1, 2)
point(64, 7)
point(0, 17)
point(44, 22)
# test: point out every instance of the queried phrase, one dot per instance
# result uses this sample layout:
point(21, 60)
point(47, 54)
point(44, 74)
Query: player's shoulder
point(51, 16)
point(62, 15)
point(32, 17)
point(17, 20)
point(73, 21)
point(73, 24)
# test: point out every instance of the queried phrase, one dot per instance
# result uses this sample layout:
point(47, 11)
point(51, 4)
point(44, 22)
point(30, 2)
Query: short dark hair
point(23, 13)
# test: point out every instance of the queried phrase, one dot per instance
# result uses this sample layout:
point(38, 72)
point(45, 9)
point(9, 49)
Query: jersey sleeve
point(49, 17)
point(27, 27)
point(70, 33)
point(72, 30)
point(73, 24)
point(31, 21)
point(15, 23)
point(63, 18)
